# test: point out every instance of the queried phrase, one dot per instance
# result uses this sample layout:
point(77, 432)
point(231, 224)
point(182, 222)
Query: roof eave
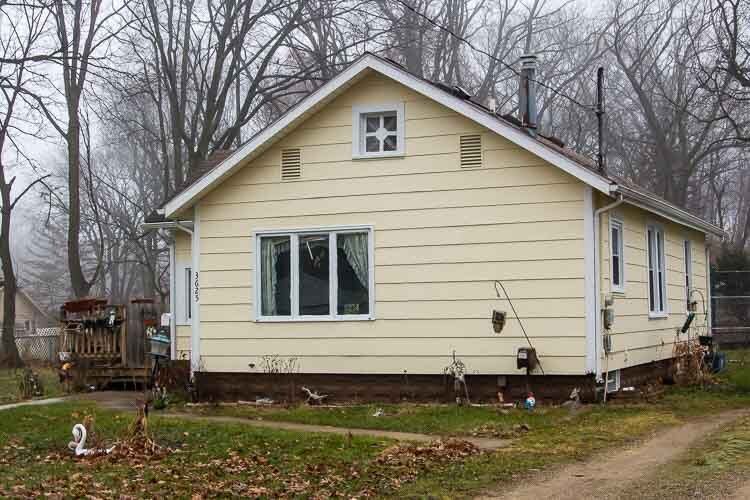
point(666, 210)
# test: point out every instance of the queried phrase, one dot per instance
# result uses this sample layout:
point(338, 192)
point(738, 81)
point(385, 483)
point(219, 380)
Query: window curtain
point(270, 250)
point(354, 246)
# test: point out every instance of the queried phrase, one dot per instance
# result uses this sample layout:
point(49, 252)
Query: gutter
point(185, 225)
point(666, 210)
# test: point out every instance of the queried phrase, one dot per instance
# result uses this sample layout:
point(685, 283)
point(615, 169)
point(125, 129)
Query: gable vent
point(291, 166)
point(471, 151)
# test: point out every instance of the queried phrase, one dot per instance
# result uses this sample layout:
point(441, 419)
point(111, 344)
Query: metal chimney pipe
point(527, 92)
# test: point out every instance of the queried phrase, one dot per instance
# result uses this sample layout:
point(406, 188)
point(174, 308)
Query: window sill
point(658, 315)
point(313, 319)
point(619, 291)
point(377, 156)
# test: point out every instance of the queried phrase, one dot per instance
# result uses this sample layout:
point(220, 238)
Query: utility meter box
point(526, 358)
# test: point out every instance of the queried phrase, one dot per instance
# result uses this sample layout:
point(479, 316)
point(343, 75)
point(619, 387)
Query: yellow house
point(359, 239)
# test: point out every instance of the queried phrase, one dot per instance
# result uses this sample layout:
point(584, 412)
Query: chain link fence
point(39, 346)
point(730, 307)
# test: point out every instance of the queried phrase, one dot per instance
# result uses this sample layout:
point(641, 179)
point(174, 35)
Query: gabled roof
point(559, 156)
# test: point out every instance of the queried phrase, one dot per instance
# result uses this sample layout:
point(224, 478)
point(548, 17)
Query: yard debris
point(530, 402)
point(414, 456)
point(313, 398)
point(264, 401)
point(500, 432)
point(379, 413)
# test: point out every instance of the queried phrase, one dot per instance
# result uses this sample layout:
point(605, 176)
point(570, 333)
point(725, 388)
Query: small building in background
point(29, 316)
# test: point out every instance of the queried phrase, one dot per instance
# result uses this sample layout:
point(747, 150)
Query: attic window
point(291, 164)
point(471, 151)
point(378, 131)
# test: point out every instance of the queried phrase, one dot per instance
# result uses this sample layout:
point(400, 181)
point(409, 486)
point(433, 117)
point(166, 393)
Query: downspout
point(598, 280)
point(172, 304)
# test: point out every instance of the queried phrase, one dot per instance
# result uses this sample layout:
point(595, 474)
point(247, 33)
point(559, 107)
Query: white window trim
point(358, 151)
point(181, 297)
point(656, 227)
point(294, 235)
point(615, 221)
point(687, 255)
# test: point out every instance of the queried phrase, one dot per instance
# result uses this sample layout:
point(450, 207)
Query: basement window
point(613, 381)
point(617, 263)
point(315, 275)
point(657, 278)
point(378, 131)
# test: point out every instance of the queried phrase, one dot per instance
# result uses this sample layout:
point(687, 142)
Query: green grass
point(223, 459)
point(213, 460)
point(738, 371)
point(728, 393)
point(427, 419)
point(9, 392)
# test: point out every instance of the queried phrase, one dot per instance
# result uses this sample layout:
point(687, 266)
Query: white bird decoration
point(79, 442)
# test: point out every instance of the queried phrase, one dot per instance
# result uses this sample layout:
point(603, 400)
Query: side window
point(183, 307)
point(617, 271)
point(188, 293)
point(657, 286)
point(378, 131)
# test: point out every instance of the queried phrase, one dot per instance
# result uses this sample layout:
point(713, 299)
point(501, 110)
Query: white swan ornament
point(79, 441)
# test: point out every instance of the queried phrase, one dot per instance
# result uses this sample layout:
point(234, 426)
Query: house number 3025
point(196, 287)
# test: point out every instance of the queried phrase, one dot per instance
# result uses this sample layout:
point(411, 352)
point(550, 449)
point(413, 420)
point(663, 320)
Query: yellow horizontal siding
point(636, 338)
point(182, 346)
point(437, 309)
point(442, 234)
point(401, 364)
point(390, 328)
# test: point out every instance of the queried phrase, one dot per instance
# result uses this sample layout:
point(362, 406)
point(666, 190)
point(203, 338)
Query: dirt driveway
point(609, 476)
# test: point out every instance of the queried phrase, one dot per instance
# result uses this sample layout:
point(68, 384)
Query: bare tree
point(83, 29)
point(24, 25)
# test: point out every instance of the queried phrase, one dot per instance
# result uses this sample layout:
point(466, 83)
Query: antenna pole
point(601, 156)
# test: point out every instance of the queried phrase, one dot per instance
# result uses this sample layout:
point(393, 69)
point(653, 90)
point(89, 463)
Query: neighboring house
point(362, 234)
point(29, 316)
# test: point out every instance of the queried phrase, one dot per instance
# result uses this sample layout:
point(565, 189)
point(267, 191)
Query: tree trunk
point(9, 357)
point(78, 281)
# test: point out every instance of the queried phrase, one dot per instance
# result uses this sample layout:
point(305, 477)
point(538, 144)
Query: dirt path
point(482, 443)
point(742, 493)
point(607, 476)
point(33, 402)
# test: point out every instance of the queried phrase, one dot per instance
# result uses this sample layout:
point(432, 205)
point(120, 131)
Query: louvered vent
point(291, 166)
point(471, 151)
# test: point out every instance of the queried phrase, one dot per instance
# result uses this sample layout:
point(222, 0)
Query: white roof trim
point(311, 103)
point(226, 168)
point(667, 210)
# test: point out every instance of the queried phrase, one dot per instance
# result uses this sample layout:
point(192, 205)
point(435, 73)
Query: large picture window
point(314, 275)
point(657, 286)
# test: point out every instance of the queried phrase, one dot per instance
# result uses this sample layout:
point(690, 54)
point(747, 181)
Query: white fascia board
point(666, 210)
point(310, 103)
